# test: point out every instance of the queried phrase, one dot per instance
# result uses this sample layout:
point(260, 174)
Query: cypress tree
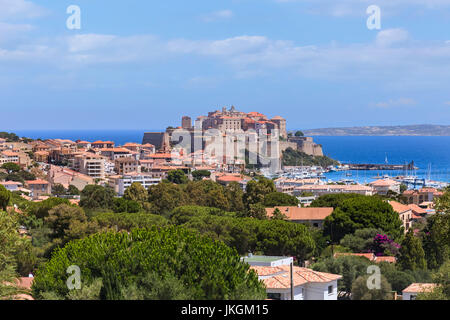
point(412, 256)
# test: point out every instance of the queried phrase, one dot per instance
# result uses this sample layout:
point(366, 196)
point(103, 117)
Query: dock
point(366, 166)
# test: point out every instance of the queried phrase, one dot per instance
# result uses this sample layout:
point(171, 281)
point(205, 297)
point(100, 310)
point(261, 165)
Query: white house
point(382, 186)
point(121, 183)
point(308, 284)
point(411, 292)
point(11, 185)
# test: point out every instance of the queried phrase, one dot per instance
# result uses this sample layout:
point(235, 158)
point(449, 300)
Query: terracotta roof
point(115, 150)
point(279, 277)
point(384, 183)
point(131, 144)
point(296, 213)
point(416, 209)
point(38, 181)
point(11, 183)
point(369, 256)
point(398, 207)
point(420, 287)
point(160, 155)
point(229, 178)
point(386, 259)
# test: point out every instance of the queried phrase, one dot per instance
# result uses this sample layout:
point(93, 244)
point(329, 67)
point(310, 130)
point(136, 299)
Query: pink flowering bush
point(383, 245)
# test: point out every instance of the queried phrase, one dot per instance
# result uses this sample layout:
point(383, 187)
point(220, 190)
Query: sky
point(144, 64)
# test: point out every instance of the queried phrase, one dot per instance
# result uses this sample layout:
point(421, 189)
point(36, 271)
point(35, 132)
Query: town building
point(405, 213)
point(38, 188)
point(102, 144)
point(11, 185)
point(383, 186)
point(313, 216)
point(225, 179)
point(7, 156)
point(41, 156)
point(67, 177)
point(320, 190)
point(420, 196)
point(307, 283)
point(90, 164)
point(411, 292)
point(121, 182)
point(126, 165)
point(116, 153)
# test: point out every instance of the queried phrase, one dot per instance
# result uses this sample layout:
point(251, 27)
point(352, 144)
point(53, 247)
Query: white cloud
point(358, 7)
point(401, 102)
point(218, 15)
point(12, 9)
point(388, 37)
point(89, 42)
point(392, 59)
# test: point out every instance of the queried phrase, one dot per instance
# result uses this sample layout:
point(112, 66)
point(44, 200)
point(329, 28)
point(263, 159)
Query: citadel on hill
point(232, 121)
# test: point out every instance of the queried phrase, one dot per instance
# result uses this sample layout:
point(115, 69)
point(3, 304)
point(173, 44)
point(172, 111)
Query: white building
point(8, 156)
point(382, 186)
point(121, 183)
point(308, 284)
point(267, 261)
point(320, 190)
point(11, 185)
point(110, 167)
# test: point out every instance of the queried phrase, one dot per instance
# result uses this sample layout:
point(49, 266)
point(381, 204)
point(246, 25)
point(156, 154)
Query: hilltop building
point(268, 137)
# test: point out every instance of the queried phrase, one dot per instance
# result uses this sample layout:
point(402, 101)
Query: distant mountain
point(409, 130)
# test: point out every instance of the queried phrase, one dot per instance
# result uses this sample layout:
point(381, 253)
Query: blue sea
point(430, 154)
point(424, 151)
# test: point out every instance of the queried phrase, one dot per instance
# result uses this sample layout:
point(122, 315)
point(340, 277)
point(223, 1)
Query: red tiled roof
point(384, 183)
point(386, 259)
point(369, 256)
point(229, 178)
point(10, 183)
point(38, 181)
point(296, 213)
point(279, 277)
point(9, 153)
point(420, 287)
point(398, 207)
point(416, 209)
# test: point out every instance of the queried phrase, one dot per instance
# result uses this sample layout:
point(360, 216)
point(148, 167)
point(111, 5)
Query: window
point(330, 289)
point(274, 296)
